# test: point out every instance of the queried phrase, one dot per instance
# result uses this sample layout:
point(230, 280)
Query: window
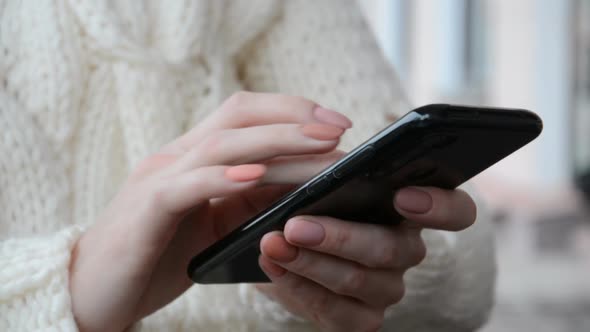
point(581, 88)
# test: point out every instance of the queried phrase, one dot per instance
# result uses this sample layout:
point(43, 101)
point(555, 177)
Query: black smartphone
point(435, 145)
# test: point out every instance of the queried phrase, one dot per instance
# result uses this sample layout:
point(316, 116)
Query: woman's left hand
point(342, 275)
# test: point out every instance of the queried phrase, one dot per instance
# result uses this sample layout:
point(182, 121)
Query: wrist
point(84, 303)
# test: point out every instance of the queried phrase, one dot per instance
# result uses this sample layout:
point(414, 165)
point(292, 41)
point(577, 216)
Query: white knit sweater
point(88, 88)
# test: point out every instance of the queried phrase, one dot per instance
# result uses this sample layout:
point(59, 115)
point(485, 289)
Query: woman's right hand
point(177, 202)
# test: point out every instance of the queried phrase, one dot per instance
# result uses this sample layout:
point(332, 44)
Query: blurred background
point(532, 54)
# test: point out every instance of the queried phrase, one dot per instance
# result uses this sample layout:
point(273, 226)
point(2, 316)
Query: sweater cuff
point(34, 291)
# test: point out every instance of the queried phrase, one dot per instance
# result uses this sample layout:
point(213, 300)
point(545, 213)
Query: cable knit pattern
point(89, 88)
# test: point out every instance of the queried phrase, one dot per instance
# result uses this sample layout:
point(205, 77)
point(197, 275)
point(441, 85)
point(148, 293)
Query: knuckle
point(297, 103)
point(303, 101)
point(353, 282)
point(213, 140)
point(341, 238)
point(236, 101)
point(212, 145)
point(158, 195)
point(386, 256)
point(382, 249)
point(146, 162)
point(150, 164)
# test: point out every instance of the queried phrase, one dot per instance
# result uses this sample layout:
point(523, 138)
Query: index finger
point(246, 109)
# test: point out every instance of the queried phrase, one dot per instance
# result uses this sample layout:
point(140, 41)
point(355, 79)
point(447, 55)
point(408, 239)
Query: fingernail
point(271, 268)
point(322, 132)
point(331, 117)
point(413, 200)
point(244, 173)
point(304, 232)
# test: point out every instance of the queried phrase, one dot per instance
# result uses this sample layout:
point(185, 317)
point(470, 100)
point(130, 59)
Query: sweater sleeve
point(36, 235)
point(34, 292)
point(325, 52)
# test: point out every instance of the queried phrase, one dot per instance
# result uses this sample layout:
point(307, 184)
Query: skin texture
point(338, 274)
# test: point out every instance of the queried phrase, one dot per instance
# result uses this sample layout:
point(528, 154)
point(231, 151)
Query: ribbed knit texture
point(89, 88)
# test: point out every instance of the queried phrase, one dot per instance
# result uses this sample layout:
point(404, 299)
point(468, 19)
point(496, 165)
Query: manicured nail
point(271, 268)
point(331, 117)
point(244, 173)
point(322, 132)
point(413, 200)
point(304, 232)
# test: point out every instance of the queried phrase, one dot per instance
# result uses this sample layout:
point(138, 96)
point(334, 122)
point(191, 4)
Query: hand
point(343, 275)
point(185, 197)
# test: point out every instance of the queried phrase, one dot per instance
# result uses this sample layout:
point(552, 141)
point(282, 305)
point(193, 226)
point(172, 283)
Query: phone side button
point(349, 166)
point(318, 185)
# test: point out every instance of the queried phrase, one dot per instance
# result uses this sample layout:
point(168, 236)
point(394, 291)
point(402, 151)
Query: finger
point(245, 109)
point(189, 189)
point(255, 144)
point(371, 245)
point(152, 164)
point(376, 287)
point(332, 312)
point(280, 178)
point(437, 208)
point(169, 199)
point(298, 169)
